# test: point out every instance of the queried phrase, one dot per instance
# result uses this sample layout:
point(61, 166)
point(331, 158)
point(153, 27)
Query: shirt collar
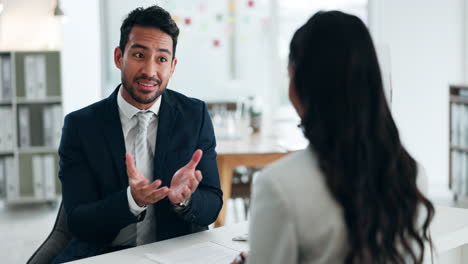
point(129, 110)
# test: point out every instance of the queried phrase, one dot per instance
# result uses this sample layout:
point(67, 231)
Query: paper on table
point(244, 237)
point(235, 245)
point(202, 253)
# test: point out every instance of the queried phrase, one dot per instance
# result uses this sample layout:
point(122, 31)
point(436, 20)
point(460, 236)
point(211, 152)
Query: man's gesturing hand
point(185, 181)
point(142, 192)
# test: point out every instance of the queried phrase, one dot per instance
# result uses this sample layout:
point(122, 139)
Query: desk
point(137, 255)
point(255, 150)
point(449, 233)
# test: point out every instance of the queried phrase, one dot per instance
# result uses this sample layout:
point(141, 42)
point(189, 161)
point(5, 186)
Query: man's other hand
point(142, 191)
point(185, 181)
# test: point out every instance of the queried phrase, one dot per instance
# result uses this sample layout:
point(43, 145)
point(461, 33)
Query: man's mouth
point(147, 85)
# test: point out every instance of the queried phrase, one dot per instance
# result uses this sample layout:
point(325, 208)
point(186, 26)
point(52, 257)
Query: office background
point(426, 43)
point(232, 49)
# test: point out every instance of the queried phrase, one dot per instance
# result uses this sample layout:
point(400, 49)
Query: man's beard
point(131, 90)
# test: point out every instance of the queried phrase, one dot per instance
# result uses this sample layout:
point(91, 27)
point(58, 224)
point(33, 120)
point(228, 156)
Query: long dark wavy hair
point(350, 128)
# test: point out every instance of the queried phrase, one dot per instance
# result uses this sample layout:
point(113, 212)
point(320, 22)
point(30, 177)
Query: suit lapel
point(112, 129)
point(168, 114)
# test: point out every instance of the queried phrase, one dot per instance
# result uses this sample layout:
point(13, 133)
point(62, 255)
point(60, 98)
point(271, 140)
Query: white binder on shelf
point(9, 130)
point(30, 76)
point(12, 191)
point(40, 76)
point(460, 169)
point(465, 125)
point(463, 168)
point(24, 127)
point(459, 125)
point(49, 176)
point(465, 173)
point(1, 80)
point(2, 178)
point(6, 129)
point(3, 127)
point(7, 90)
point(456, 180)
point(454, 125)
point(57, 124)
point(38, 176)
point(48, 125)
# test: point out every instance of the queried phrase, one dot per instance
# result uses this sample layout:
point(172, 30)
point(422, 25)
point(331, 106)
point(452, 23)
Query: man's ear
point(118, 56)
point(173, 66)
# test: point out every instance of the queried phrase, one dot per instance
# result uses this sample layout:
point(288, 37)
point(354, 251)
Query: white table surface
point(449, 231)
point(222, 235)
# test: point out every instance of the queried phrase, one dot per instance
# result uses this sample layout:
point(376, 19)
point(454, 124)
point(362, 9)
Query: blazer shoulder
point(293, 165)
point(298, 173)
point(88, 112)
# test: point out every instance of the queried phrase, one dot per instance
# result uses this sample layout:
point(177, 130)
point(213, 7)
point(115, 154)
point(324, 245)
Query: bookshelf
point(458, 141)
point(31, 122)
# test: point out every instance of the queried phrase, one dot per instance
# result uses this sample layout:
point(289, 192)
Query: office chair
point(55, 242)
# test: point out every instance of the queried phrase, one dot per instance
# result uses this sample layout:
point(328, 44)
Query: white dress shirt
point(129, 121)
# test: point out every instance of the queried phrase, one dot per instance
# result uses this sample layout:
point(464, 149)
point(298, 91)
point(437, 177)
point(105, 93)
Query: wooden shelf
point(31, 199)
point(6, 102)
point(36, 150)
point(46, 100)
point(459, 99)
point(6, 152)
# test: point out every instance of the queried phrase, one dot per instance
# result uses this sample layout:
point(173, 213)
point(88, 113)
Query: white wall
point(203, 70)
point(465, 44)
point(29, 25)
point(425, 38)
point(81, 56)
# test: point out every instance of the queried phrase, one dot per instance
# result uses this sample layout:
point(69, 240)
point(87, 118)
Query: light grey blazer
point(294, 218)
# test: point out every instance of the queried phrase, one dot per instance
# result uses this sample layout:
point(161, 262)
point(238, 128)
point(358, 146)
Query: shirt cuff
point(132, 205)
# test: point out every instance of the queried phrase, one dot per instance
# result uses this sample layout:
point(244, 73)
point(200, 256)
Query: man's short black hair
point(154, 17)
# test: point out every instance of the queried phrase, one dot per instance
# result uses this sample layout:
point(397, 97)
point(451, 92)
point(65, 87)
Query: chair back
point(55, 242)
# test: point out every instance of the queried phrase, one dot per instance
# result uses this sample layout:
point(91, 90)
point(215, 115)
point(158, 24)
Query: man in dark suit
point(140, 165)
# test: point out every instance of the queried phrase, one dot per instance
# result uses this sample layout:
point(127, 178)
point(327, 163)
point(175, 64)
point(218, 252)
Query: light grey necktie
point(146, 229)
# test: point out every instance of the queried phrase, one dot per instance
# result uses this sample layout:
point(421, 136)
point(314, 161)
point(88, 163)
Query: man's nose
point(150, 69)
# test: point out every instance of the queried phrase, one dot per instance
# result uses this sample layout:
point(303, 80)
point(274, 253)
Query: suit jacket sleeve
point(91, 217)
point(207, 200)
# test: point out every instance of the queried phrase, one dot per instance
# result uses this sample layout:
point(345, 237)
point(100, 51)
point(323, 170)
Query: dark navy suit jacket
point(94, 178)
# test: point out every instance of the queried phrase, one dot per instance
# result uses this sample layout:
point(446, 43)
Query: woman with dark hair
point(355, 194)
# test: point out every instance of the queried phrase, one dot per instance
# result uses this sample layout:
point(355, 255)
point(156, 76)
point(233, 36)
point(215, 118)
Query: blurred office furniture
point(227, 117)
point(458, 141)
point(224, 115)
point(30, 127)
point(278, 137)
point(242, 179)
point(55, 242)
point(227, 105)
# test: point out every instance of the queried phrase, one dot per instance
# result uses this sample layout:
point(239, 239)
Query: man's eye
point(138, 55)
point(162, 59)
